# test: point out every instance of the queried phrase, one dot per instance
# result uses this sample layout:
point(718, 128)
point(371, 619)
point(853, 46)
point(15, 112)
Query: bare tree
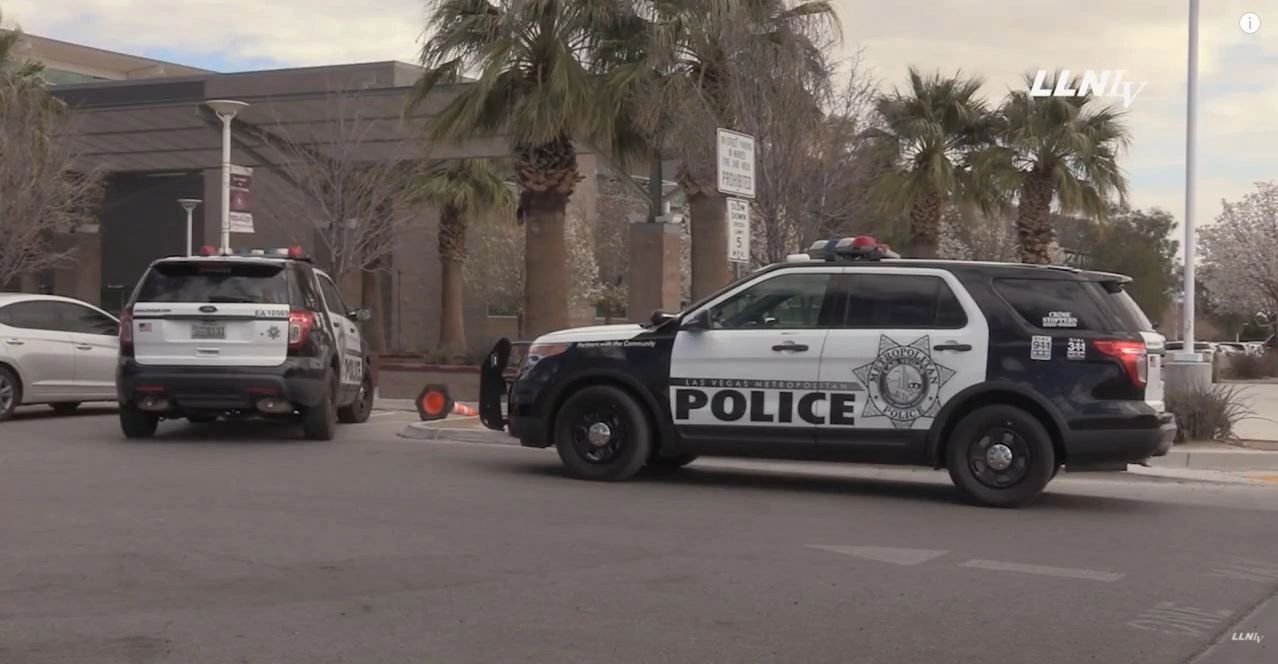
point(1240, 253)
point(40, 196)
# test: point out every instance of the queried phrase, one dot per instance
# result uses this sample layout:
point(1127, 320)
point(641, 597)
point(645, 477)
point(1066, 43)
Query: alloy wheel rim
point(1000, 458)
point(599, 435)
point(6, 394)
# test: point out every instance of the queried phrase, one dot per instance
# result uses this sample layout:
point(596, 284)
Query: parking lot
point(244, 543)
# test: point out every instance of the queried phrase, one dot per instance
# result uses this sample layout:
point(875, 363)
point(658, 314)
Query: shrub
point(1249, 366)
point(1208, 412)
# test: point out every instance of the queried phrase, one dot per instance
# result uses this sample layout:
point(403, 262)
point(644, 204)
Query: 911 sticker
point(1040, 348)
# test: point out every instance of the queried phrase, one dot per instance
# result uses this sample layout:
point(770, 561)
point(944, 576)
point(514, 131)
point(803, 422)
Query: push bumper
point(195, 389)
point(1121, 445)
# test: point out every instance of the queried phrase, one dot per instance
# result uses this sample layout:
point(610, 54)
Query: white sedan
point(56, 351)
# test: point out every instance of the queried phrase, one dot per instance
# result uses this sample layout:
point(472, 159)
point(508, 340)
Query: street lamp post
point(188, 204)
point(226, 110)
point(1191, 148)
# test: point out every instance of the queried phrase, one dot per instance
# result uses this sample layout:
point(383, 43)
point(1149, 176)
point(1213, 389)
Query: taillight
point(299, 325)
point(1131, 354)
point(126, 330)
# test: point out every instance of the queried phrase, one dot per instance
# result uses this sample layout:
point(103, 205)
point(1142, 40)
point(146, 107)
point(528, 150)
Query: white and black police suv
point(251, 333)
point(1001, 373)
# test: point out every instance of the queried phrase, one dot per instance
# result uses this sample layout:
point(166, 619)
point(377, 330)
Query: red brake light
point(126, 330)
point(299, 325)
point(1131, 354)
point(863, 241)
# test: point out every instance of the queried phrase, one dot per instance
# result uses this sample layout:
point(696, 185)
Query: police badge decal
point(904, 382)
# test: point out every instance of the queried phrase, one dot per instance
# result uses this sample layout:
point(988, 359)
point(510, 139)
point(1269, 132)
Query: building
point(66, 63)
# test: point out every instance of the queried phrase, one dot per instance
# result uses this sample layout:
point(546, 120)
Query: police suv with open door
point(254, 333)
point(1000, 373)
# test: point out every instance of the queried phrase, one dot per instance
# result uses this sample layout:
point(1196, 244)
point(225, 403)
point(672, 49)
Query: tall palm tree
point(531, 63)
point(930, 134)
point(684, 77)
point(1057, 148)
point(462, 190)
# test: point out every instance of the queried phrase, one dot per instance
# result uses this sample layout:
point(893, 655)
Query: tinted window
point(83, 320)
point(1125, 309)
point(225, 282)
point(33, 316)
point(787, 301)
point(1052, 304)
point(332, 297)
point(901, 301)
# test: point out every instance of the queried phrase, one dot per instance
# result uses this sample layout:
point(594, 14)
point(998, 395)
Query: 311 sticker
point(1040, 348)
point(1077, 349)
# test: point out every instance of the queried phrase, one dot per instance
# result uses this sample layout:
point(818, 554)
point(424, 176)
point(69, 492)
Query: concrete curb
point(1193, 475)
point(427, 431)
point(1243, 459)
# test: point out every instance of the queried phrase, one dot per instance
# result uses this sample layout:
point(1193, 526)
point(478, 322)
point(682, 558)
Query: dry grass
point(1209, 413)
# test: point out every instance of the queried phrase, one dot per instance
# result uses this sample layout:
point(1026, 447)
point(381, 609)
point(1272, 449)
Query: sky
point(1000, 40)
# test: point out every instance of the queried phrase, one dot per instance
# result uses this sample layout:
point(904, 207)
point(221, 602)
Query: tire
point(10, 393)
point(136, 423)
point(629, 435)
point(670, 464)
point(320, 422)
point(65, 408)
point(1029, 453)
point(359, 410)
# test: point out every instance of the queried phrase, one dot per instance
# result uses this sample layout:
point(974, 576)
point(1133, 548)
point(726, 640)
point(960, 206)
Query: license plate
point(208, 331)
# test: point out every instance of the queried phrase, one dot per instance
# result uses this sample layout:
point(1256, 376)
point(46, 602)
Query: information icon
point(1250, 23)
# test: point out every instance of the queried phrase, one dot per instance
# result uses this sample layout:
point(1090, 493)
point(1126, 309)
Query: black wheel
point(359, 409)
point(320, 421)
point(65, 408)
point(137, 423)
point(10, 393)
point(602, 434)
point(667, 464)
point(201, 419)
point(1000, 456)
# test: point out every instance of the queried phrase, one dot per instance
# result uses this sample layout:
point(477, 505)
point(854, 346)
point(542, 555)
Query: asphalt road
point(227, 544)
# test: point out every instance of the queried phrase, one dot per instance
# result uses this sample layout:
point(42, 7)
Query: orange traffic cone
point(463, 409)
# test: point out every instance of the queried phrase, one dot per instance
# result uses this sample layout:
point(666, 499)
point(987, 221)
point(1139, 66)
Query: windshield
point(216, 282)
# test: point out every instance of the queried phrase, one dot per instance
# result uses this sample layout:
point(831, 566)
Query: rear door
point(909, 339)
point(345, 332)
point(221, 312)
point(32, 335)
point(95, 338)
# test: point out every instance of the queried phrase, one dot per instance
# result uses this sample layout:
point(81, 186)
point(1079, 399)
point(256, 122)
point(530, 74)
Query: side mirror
point(660, 318)
point(360, 315)
point(697, 322)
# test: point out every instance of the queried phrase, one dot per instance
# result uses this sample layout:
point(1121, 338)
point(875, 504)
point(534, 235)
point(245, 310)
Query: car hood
point(592, 333)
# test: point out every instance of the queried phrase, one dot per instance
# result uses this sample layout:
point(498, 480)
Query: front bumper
point(219, 389)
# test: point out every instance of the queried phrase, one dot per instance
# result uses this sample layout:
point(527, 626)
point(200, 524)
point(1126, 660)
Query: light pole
point(188, 204)
point(226, 110)
point(1191, 148)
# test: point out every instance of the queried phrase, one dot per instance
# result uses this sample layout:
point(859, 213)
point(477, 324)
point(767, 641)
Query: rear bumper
point(299, 381)
point(1118, 445)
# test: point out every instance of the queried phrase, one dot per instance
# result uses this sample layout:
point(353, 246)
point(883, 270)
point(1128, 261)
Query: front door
point(751, 378)
point(910, 338)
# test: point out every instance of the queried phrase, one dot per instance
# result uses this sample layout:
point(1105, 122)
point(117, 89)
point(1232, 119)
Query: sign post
point(241, 203)
point(735, 157)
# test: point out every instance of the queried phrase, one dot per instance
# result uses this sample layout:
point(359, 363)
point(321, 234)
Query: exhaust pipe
point(274, 406)
point(154, 404)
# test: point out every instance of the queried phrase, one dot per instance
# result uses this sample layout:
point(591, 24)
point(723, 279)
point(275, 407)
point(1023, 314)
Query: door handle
point(953, 346)
point(790, 346)
point(15, 342)
point(80, 347)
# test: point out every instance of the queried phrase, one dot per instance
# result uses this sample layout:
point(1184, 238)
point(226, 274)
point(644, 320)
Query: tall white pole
point(188, 232)
point(226, 181)
point(1191, 145)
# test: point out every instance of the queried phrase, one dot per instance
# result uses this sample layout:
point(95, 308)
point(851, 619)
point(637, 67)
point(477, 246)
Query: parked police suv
point(252, 333)
point(1001, 373)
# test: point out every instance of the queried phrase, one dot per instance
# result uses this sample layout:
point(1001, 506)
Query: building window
point(63, 77)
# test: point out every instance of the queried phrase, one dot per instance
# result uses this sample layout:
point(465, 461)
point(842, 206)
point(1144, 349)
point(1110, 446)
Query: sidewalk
point(1262, 399)
point(1217, 456)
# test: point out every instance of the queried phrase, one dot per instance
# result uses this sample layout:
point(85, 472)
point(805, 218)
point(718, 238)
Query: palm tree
point(679, 65)
point(1056, 148)
point(13, 70)
point(531, 63)
point(462, 190)
point(930, 134)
